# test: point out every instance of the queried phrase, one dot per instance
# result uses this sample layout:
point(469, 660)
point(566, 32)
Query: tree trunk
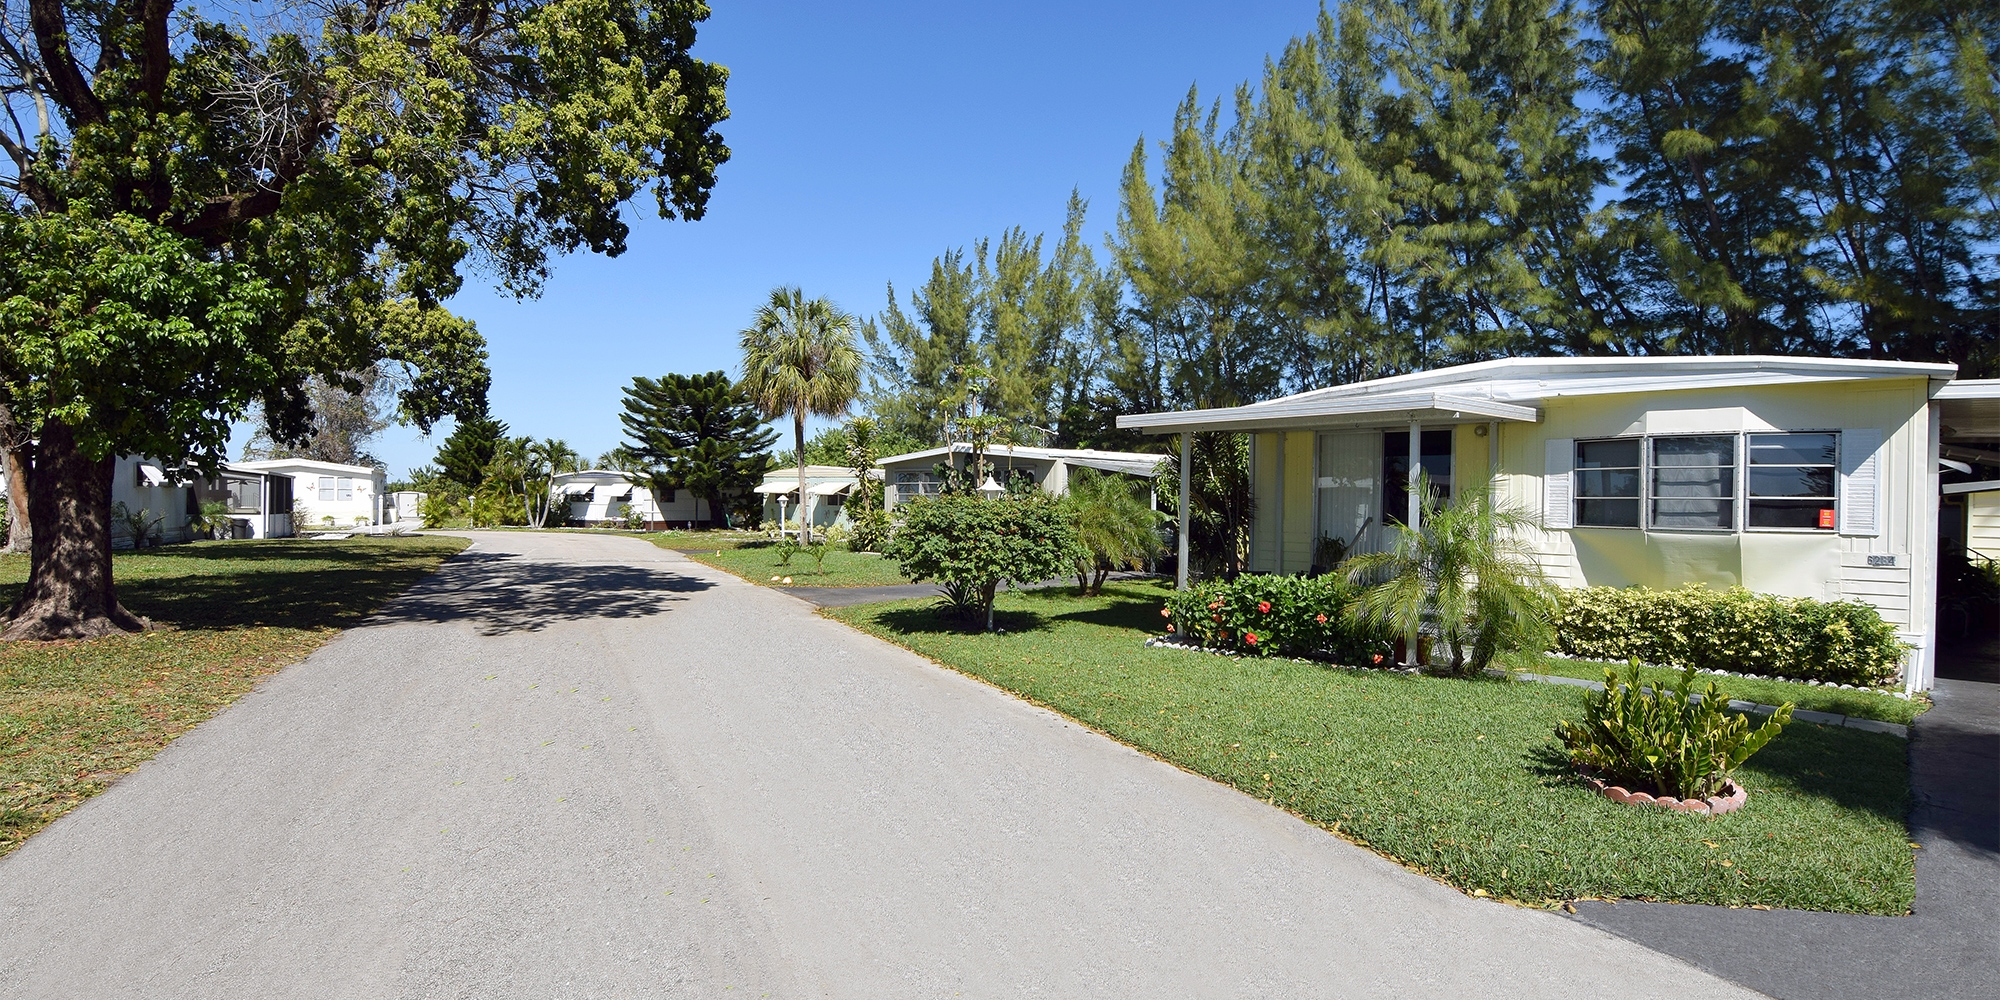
point(17, 452)
point(799, 433)
point(716, 516)
point(70, 593)
point(20, 522)
point(986, 592)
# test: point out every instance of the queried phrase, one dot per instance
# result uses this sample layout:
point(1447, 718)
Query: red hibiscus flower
point(1321, 618)
point(1264, 607)
point(1165, 613)
point(1250, 637)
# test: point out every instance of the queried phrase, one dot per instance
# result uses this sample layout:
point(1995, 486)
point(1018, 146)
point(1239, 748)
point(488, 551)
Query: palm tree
point(1464, 573)
point(799, 358)
point(1116, 528)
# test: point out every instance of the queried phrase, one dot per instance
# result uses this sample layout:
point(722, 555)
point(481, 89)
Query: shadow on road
point(498, 592)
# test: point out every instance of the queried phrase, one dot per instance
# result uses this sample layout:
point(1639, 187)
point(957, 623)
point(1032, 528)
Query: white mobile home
point(915, 474)
point(334, 495)
point(600, 496)
point(827, 490)
point(1797, 476)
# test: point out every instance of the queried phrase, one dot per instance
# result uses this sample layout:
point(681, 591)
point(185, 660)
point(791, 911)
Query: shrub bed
point(1262, 615)
point(1844, 642)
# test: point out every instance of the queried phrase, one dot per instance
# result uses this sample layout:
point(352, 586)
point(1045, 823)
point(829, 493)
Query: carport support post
point(1181, 566)
point(1415, 514)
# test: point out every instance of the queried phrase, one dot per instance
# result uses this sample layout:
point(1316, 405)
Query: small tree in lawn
point(1114, 528)
point(702, 431)
point(1463, 574)
point(971, 544)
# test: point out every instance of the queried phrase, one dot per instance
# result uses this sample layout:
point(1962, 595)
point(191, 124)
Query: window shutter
point(1860, 482)
point(1556, 486)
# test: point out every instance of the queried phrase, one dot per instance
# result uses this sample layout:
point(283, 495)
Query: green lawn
point(1458, 779)
point(1839, 701)
point(76, 715)
point(758, 563)
point(705, 541)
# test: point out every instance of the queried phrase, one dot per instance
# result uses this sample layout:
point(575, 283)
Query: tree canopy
point(208, 206)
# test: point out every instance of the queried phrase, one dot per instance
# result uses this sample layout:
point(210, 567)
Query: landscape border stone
point(1714, 805)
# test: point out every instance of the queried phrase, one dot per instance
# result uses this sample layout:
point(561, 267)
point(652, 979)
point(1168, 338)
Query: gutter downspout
point(1181, 568)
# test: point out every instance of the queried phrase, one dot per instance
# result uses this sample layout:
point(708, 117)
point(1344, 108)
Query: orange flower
point(1250, 637)
point(1264, 607)
point(1321, 618)
point(1212, 605)
point(1378, 657)
point(1164, 613)
point(1170, 628)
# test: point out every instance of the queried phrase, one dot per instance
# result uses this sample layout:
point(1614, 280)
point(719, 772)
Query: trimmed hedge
point(1843, 642)
point(1262, 615)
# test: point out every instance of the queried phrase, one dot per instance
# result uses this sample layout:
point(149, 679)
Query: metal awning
point(1349, 411)
point(812, 489)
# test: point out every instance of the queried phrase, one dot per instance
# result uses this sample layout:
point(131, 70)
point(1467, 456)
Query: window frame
point(1833, 501)
point(1642, 498)
point(1739, 498)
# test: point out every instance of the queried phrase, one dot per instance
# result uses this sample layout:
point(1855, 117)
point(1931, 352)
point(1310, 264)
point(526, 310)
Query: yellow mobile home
point(1804, 477)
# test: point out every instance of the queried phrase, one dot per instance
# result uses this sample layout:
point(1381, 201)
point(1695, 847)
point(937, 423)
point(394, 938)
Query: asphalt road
point(575, 766)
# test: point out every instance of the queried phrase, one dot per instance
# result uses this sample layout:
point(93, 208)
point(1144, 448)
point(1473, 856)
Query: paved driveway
point(575, 767)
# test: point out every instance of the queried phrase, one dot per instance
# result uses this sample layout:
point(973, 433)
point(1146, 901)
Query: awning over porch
point(1326, 413)
point(812, 489)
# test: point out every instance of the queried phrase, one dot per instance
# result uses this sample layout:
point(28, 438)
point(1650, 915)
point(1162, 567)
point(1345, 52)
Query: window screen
point(1694, 482)
point(1607, 483)
point(1791, 481)
point(326, 488)
point(910, 485)
point(346, 488)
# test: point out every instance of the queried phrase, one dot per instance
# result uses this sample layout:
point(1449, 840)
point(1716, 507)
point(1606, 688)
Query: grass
point(758, 562)
point(1458, 779)
point(1839, 701)
point(719, 539)
point(76, 715)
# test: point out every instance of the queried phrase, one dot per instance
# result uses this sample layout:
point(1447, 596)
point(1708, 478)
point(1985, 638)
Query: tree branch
point(154, 17)
point(72, 92)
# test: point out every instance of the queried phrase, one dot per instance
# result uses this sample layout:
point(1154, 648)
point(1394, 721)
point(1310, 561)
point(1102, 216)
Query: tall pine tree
point(701, 432)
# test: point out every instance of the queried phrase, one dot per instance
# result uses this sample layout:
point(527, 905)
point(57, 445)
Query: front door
point(1350, 473)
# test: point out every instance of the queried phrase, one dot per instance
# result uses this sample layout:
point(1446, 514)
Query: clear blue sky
point(866, 138)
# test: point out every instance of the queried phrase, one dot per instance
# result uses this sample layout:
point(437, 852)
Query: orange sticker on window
point(1826, 517)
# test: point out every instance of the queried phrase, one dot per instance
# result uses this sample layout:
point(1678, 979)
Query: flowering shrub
point(1262, 615)
point(1844, 642)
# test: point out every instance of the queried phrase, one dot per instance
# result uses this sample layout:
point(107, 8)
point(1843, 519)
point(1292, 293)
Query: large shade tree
point(701, 433)
point(800, 359)
point(202, 215)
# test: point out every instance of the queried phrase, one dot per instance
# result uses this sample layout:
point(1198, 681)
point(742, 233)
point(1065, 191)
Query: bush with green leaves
point(869, 531)
point(1664, 741)
point(210, 520)
point(1844, 642)
point(977, 543)
point(1293, 615)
